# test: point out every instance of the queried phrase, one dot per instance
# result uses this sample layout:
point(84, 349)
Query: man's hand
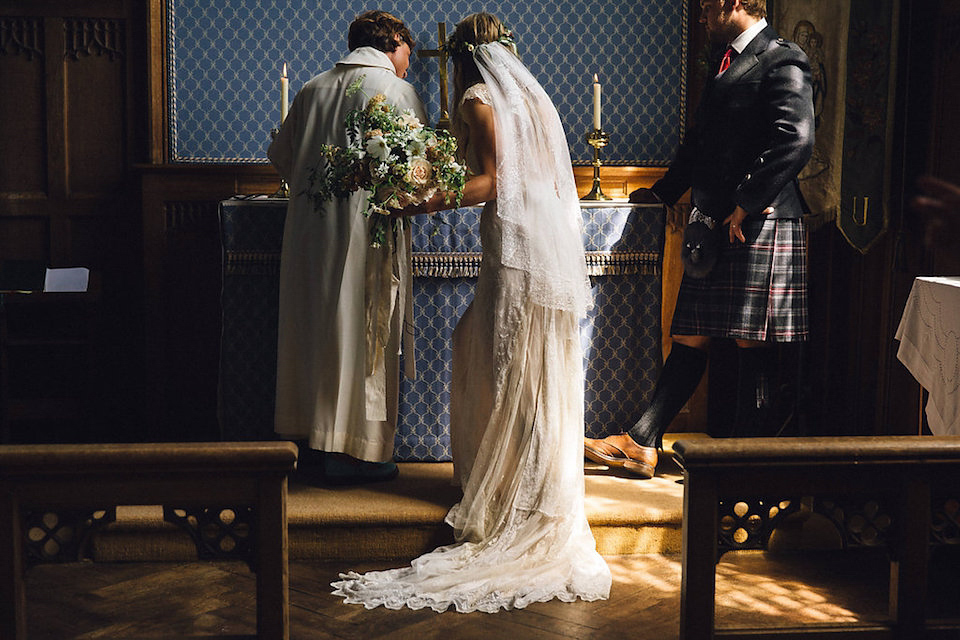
point(644, 195)
point(735, 219)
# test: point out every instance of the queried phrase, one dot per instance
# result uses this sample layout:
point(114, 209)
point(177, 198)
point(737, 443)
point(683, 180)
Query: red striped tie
point(725, 63)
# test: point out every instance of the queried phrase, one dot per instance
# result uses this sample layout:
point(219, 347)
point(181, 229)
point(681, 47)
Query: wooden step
point(403, 518)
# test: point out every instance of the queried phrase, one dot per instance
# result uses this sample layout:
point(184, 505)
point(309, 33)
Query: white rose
point(419, 172)
point(409, 120)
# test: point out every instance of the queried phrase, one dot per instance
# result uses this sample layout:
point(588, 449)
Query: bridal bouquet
point(391, 155)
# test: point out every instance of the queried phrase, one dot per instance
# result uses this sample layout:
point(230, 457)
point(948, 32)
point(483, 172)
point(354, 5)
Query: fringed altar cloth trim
point(447, 265)
point(251, 263)
point(459, 265)
point(620, 263)
point(599, 263)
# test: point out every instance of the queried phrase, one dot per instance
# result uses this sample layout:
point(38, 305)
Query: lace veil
point(537, 198)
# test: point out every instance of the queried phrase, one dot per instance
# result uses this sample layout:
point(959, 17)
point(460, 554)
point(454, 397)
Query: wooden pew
point(736, 491)
point(53, 497)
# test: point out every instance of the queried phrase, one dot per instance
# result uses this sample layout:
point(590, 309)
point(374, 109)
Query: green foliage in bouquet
point(391, 155)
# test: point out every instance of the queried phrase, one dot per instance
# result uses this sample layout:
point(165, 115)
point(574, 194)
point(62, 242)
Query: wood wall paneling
point(858, 386)
point(23, 106)
point(24, 230)
point(94, 79)
point(67, 130)
point(945, 119)
point(182, 262)
point(927, 132)
point(63, 120)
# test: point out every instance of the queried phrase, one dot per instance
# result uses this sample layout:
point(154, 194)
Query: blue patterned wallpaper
point(225, 59)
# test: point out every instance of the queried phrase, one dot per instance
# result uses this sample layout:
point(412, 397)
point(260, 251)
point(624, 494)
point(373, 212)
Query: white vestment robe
point(345, 308)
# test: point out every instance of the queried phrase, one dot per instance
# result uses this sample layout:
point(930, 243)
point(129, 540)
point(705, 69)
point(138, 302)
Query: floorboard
point(197, 599)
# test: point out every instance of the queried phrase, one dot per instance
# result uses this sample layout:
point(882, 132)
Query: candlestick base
point(283, 191)
point(598, 138)
point(444, 122)
point(596, 193)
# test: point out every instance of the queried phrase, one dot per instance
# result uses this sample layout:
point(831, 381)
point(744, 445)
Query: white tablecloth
point(929, 335)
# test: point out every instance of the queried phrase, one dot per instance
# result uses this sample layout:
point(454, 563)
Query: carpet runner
point(403, 518)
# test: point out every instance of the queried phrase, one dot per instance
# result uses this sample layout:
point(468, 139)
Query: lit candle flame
point(285, 72)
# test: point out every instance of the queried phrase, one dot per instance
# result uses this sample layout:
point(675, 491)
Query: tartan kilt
point(756, 291)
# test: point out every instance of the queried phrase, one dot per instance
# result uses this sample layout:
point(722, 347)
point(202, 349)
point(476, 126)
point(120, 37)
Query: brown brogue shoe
point(620, 451)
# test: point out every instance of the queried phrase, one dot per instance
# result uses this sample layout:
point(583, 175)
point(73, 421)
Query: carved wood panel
point(72, 89)
point(64, 115)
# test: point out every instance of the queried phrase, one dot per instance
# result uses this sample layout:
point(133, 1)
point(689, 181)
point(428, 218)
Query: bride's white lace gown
point(517, 434)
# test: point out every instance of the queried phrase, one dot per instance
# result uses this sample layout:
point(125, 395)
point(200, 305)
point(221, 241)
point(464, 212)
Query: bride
point(517, 390)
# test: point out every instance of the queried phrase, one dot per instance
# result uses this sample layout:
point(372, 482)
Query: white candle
point(596, 103)
point(284, 94)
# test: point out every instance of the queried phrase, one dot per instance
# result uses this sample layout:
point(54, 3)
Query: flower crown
point(456, 45)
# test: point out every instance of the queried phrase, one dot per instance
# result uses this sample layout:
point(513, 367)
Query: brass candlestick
point(598, 138)
point(284, 190)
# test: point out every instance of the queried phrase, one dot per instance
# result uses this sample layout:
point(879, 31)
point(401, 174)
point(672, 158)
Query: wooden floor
point(189, 600)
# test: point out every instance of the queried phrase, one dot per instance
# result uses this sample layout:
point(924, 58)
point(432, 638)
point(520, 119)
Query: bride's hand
point(409, 210)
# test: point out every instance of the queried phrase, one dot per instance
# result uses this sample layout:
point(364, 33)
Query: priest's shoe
point(341, 469)
point(324, 468)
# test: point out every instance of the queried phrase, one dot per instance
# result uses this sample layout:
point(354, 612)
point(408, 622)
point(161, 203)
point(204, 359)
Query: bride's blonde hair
point(472, 31)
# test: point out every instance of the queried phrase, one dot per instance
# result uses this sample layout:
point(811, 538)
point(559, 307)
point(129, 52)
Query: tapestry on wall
point(820, 28)
point(225, 59)
point(851, 47)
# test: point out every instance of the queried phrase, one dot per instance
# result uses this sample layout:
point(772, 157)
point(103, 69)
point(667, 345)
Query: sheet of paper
point(63, 280)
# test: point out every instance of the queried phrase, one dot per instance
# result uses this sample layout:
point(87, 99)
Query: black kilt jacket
point(752, 134)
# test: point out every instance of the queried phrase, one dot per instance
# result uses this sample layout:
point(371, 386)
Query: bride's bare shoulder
point(475, 111)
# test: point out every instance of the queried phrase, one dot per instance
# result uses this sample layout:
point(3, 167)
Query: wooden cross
point(441, 54)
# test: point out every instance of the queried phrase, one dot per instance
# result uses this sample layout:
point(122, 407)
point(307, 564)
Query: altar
point(620, 335)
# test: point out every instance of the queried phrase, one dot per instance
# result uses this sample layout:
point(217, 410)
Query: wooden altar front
point(621, 334)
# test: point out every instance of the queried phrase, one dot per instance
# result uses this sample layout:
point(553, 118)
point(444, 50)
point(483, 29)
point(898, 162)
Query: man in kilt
point(753, 133)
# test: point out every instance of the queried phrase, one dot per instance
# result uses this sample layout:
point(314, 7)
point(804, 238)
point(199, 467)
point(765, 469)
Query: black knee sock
point(755, 386)
point(678, 380)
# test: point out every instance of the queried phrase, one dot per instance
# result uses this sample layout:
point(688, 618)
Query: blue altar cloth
point(620, 335)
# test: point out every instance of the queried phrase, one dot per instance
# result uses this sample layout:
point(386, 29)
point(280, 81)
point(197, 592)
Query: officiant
point(345, 307)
